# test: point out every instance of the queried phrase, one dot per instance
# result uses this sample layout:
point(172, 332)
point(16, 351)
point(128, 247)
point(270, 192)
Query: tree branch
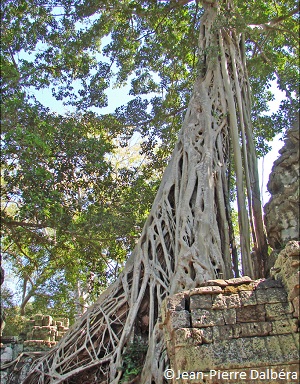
point(15, 223)
point(277, 20)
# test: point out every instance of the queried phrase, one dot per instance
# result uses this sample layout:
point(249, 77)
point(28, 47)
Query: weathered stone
point(237, 353)
point(59, 335)
point(222, 332)
point(251, 313)
point(206, 318)
point(282, 326)
point(219, 302)
point(62, 328)
point(226, 301)
point(187, 336)
point(207, 335)
point(245, 287)
point(229, 316)
point(239, 280)
point(201, 301)
point(282, 211)
point(255, 329)
point(289, 345)
point(247, 298)
point(257, 318)
point(219, 282)
point(231, 289)
point(278, 310)
point(6, 355)
point(206, 290)
point(179, 319)
point(176, 302)
point(251, 329)
point(269, 283)
point(294, 286)
point(233, 301)
point(272, 295)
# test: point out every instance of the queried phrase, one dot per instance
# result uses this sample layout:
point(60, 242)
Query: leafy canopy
point(67, 209)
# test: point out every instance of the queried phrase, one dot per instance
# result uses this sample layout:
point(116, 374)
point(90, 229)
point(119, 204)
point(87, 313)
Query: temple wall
point(237, 330)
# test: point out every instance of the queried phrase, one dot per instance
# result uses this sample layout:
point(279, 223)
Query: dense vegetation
point(71, 210)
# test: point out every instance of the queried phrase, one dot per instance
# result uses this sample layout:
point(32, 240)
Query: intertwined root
point(187, 238)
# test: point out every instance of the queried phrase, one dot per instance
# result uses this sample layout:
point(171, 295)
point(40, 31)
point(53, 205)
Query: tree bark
point(186, 239)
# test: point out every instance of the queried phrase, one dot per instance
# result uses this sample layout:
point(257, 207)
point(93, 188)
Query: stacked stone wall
point(41, 333)
point(239, 327)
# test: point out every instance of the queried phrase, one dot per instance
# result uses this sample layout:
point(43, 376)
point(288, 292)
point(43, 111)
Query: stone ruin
point(237, 330)
point(40, 334)
point(43, 332)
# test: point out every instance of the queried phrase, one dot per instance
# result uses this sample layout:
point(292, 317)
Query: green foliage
point(67, 208)
point(133, 360)
point(10, 313)
point(14, 322)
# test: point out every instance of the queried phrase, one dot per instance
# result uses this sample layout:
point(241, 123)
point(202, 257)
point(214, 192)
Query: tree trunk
point(186, 239)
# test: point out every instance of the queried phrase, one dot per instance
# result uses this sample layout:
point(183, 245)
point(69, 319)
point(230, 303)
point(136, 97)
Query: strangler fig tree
point(187, 237)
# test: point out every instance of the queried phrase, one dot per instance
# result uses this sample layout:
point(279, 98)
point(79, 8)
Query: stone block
point(7, 355)
point(179, 319)
point(206, 334)
point(216, 282)
point(268, 283)
point(229, 316)
point(250, 313)
point(255, 329)
point(211, 290)
point(41, 334)
point(206, 318)
point(237, 354)
point(247, 298)
point(219, 302)
point(289, 346)
point(278, 310)
point(224, 332)
point(231, 289)
point(239, 280)
point(67, 322)
point(226, 301)
point(233, 301)
point(236, 331)
point(176, 302)
point(187, 337)
point(201, 302)
point(47, 320)
point(282, 326)
point(271, 295)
